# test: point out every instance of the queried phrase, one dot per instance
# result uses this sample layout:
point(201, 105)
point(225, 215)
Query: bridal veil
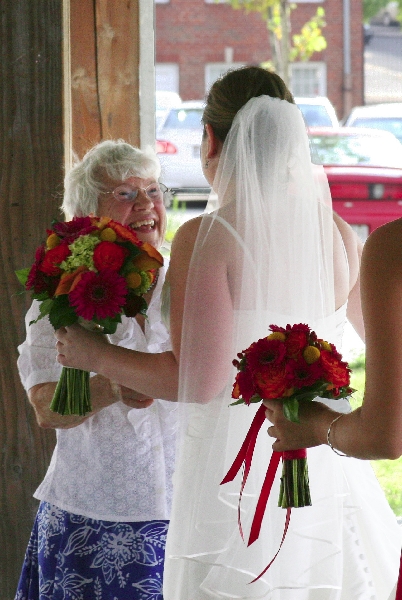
point(270, 240)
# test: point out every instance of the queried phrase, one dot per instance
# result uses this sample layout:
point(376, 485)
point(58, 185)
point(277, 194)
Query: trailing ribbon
point(399, 585)
point(245, 456)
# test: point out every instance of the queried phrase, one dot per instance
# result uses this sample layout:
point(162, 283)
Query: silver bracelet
point(329, 433)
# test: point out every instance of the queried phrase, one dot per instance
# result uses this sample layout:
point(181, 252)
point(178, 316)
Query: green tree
point(285, 47)
point(371, 8)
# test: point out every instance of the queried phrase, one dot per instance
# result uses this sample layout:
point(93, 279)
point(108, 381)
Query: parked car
point(164, 101)
point(179, 139)
point(178, 145)
point(364, 170)
point(388, 15)
point(318, 111)
point(387, 116)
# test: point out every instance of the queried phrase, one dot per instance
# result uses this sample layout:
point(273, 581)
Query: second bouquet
point(91, 270)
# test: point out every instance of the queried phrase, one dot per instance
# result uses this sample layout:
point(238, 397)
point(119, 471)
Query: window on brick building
point(162, 1)
point(215, 70)
point(167, 77)
point(309, 79)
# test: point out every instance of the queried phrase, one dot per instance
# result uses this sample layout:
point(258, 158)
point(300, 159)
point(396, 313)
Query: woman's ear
point(214, 144)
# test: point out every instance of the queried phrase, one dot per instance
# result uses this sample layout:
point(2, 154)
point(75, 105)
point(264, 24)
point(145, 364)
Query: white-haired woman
point(104, 507)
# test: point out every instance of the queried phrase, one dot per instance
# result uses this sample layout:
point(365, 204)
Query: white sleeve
point(37, 354)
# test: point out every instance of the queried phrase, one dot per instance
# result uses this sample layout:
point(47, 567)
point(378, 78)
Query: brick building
point(198, 39)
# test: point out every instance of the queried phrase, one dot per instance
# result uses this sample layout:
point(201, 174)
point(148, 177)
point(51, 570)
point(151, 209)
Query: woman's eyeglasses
point(156, 192)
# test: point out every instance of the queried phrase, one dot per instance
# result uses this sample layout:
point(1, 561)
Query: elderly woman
point(104, 503)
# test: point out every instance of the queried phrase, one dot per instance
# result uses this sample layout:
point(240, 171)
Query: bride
point(272, 253)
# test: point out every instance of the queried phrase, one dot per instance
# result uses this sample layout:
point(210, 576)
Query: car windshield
point(392, 124)
point(355, 150)
point(315, 115)
point(184, 118)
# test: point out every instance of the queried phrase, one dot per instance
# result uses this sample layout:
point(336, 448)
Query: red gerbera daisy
point(99, 295)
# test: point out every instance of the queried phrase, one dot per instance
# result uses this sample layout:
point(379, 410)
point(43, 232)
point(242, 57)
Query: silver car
point(387, 116)
point(178, 145)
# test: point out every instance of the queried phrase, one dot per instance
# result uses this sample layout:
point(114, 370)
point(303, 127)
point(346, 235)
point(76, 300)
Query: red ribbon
point(399, 585)
point(245, 456)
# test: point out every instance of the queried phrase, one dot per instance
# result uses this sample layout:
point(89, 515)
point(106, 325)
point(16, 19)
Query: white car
point(164, 101)
point(386, 116)
point(317, 111)
point(178, 145)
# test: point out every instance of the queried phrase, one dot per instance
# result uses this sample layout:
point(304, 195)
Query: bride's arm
point(210, 328)
point(154, 375)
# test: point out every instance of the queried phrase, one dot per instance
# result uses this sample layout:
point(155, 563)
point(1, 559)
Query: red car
point(364, 170)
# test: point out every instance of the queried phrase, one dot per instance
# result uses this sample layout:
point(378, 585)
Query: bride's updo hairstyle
point(234, 89)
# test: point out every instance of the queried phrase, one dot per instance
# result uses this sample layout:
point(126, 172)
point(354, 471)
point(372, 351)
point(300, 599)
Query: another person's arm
point(103, 394)
point(374, 430)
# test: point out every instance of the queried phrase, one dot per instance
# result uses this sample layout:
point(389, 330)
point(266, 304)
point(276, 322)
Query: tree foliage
point(371, 8)
point(286, 48)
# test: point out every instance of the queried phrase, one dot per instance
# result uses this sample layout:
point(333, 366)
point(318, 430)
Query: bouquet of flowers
point(292, 365)
point(91, 270)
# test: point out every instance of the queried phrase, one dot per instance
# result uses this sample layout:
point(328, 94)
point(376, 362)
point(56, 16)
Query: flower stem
point(72, 396)
point(295, 489)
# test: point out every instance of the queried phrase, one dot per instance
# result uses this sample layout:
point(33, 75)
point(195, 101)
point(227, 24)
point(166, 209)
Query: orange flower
point(69, 280)
point(271, 382)
point(336, 371)
point(151, 251)
point(124, 233)
point(145, 262)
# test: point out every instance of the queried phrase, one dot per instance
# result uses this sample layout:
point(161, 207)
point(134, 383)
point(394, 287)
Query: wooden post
point(31, 177)
point(60, 93)
point(104, 72)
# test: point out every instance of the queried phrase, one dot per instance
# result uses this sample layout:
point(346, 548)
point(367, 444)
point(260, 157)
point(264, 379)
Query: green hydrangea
point(82, 250)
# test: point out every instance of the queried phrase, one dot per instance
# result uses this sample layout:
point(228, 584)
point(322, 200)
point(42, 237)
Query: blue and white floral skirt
point(73, 557)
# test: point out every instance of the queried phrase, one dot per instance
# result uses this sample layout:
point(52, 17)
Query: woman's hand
point(79, 348)
point(315, 419)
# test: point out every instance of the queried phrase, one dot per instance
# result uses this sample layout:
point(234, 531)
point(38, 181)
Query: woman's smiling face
point(144, 214)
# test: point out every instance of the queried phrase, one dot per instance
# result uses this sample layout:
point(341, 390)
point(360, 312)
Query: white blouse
point(118, 464)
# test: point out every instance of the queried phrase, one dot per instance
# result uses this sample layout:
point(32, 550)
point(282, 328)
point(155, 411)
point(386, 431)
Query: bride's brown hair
point(234, 89)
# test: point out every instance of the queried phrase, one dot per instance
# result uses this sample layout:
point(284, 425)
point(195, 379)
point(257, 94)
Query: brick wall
point(192, 33)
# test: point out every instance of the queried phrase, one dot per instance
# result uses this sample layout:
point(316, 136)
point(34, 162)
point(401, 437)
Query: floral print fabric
point(71, 557)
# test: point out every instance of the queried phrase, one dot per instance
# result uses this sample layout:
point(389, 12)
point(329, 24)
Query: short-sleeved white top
point(118, 464)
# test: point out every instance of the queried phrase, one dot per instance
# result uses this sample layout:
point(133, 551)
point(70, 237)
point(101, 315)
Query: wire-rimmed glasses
point(156, 192)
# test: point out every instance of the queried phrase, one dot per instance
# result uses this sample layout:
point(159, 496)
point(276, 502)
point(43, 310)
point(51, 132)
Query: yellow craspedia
point(133, 280)
point(311, 354)
point(52, 241)
point(108, 235)
point(277, 335)
point(289, 392)
point(325, 345)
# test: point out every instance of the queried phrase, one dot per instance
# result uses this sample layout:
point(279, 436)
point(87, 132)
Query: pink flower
point(99, 295)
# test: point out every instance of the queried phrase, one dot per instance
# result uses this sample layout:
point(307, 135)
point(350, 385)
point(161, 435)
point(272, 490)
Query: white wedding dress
point(346, 546)
point(266, 257)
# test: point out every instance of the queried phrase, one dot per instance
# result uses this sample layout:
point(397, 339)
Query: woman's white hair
point(115, 159)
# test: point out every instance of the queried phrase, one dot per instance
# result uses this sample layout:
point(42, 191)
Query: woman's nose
point(142, 200)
